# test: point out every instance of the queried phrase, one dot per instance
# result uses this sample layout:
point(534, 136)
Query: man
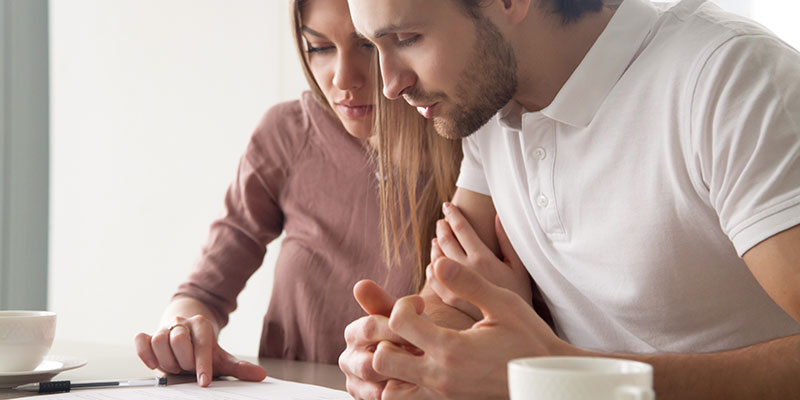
point(643, 161)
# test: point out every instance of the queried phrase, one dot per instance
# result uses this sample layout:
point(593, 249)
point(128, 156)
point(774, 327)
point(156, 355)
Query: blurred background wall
point(153, 102)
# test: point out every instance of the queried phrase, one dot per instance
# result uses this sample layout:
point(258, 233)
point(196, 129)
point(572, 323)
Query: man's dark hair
point(569, 10)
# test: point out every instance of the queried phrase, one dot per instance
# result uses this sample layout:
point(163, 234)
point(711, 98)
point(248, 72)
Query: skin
point(370, 336)
point(424, 47)
point(340, 61)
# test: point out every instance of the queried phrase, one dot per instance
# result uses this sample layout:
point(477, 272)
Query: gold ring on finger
point(177, 324)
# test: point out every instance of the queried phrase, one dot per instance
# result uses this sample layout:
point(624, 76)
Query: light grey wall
point(24, 153)
point(741, 7)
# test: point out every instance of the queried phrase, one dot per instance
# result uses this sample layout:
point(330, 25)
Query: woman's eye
point(367, 45)
point(404, 40)
point(310, 49)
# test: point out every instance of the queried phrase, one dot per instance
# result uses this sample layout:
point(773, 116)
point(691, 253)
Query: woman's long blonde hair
point(296, 18)
point(418, 170)
point(417, 167)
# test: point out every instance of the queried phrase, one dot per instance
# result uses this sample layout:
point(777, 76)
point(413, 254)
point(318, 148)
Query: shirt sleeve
point(746, 137)
point(472, 176)
point(252, 216)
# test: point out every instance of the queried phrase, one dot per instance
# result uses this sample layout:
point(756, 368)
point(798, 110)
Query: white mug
point(579, 378)
point(25, 338)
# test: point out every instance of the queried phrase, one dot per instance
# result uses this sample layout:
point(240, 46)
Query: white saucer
point(50, 367)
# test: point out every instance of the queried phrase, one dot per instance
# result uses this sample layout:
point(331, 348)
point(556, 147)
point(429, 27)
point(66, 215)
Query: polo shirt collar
point(584, 92)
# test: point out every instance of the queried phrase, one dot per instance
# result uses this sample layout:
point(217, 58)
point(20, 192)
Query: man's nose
point(396, 77)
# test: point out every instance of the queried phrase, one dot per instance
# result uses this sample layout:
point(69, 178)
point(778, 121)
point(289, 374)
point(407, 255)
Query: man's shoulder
point(702, 25)
point(692, 35)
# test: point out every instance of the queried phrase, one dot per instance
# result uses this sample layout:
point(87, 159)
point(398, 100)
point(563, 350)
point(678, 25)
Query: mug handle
point(634, 393)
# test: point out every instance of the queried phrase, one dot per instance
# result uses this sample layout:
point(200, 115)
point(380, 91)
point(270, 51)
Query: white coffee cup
point(579, 378)
point(25, 338)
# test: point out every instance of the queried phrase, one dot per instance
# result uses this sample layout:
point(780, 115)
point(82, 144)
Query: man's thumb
point(470, 286)
point(373, 299)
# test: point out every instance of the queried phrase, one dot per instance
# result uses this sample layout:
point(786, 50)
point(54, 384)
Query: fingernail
point(447, 270)
point(203, 379)
point(428, 273)
point(446, 207)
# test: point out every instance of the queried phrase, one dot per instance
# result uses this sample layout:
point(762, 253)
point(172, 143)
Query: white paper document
point(269, 389)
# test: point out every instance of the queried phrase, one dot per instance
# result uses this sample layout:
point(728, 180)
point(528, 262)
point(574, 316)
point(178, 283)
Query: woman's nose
point(349, 73)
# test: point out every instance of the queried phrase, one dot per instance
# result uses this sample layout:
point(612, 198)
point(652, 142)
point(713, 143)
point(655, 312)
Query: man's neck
point(552, 53)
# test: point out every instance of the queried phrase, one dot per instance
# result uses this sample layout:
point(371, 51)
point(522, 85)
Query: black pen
point(66, 386)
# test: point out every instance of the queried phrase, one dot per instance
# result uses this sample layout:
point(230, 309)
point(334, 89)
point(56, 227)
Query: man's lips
point(427, 111)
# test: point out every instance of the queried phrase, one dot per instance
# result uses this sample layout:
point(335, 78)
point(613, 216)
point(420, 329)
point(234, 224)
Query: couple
point(643, 161)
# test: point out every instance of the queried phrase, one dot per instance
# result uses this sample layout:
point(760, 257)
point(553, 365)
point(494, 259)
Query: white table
point(108, 362)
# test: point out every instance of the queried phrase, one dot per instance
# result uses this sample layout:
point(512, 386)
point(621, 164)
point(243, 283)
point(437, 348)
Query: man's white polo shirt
point(672, 150)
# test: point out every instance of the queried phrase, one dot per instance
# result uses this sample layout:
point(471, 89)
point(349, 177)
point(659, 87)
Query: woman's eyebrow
point(312, 32)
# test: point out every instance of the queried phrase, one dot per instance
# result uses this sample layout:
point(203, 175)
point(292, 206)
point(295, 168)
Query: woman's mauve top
point(304, 175)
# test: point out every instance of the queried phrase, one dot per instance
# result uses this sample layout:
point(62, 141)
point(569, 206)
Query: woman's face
point(340, 63)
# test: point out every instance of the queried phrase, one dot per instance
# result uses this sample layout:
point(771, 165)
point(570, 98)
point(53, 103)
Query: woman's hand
point(457, 240)
point(190, 345)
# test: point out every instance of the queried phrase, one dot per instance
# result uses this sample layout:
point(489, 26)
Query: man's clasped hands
point(473, 315)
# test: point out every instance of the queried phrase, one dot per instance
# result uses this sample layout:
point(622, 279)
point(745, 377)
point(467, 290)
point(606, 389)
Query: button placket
point(540, 153)
point(542, 201)
point(539, 147)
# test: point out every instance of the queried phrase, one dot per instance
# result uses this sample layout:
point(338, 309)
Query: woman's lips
point(354, 112)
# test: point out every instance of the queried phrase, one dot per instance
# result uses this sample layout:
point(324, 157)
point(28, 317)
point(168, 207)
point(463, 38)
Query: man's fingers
point(145, 351)
point(448, 242)
point(407, 322)
point(390, 360)
point(470, 241)
point(370, 329)
point(436, 251)
point(372, 298)
point(359, 364)
point(361, 389)
point(402, 391)
point(449, 297)
point(506, 248)
point(471, 287)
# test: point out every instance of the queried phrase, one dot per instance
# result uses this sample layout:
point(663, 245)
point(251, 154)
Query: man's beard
point(488, 83)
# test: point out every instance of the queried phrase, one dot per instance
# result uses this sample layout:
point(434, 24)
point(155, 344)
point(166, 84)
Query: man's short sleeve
point(472, 176)
point(746, 137)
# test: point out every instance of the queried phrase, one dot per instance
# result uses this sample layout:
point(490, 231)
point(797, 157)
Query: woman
point(309, 172)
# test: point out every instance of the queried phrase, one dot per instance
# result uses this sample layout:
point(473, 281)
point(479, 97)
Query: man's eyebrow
point(313, 32)
point(394, 28)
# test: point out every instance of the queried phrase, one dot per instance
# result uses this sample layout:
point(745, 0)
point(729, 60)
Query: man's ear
point(515, 10)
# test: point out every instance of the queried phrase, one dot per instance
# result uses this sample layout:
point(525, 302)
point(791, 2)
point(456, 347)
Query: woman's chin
point(359, 130)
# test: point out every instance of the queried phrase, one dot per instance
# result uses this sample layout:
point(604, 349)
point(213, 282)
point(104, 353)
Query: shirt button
point(539, 153)
point(542, 201)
